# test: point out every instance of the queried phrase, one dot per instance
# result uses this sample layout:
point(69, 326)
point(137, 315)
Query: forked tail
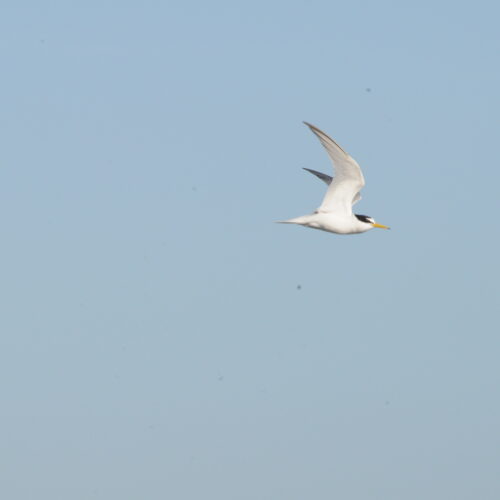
point(304, 219)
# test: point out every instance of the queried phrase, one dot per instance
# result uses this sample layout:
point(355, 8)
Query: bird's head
point(371, 221)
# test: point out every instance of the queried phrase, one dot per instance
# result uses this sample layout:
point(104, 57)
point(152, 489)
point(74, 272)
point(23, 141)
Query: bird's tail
point(296, 220)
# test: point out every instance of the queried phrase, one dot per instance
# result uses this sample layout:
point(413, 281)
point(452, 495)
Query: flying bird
point(335, 213)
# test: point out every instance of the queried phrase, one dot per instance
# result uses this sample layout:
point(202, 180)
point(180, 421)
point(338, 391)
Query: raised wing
point(327, 179)
point(344, 188)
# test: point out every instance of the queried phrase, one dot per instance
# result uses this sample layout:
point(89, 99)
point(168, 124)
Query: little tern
point(335, 213)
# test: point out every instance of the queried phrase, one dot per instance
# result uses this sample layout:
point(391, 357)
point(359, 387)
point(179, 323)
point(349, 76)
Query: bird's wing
point(344, 188)
point(325, 178)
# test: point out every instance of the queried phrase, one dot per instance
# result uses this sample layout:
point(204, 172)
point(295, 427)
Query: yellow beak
point(381, 226)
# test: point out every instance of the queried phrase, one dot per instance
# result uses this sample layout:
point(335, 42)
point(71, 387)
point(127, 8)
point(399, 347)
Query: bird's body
point(332, 222)
point(335, 213)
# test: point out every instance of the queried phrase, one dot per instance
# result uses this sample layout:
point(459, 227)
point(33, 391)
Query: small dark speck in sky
point(299, 287)
point(368, 89)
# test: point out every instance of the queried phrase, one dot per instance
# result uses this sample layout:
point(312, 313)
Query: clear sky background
point(162, 338)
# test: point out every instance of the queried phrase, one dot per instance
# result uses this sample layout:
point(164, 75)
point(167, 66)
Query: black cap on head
point(364, 218)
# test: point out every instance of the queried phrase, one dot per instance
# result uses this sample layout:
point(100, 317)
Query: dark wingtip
point(313, 127)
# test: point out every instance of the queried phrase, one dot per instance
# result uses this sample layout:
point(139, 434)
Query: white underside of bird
point(335, 213)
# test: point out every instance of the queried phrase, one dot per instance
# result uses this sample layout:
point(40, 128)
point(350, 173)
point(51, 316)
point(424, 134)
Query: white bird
point(335, 212)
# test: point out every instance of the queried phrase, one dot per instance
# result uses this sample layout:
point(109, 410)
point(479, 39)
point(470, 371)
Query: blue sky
point(162, 338)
